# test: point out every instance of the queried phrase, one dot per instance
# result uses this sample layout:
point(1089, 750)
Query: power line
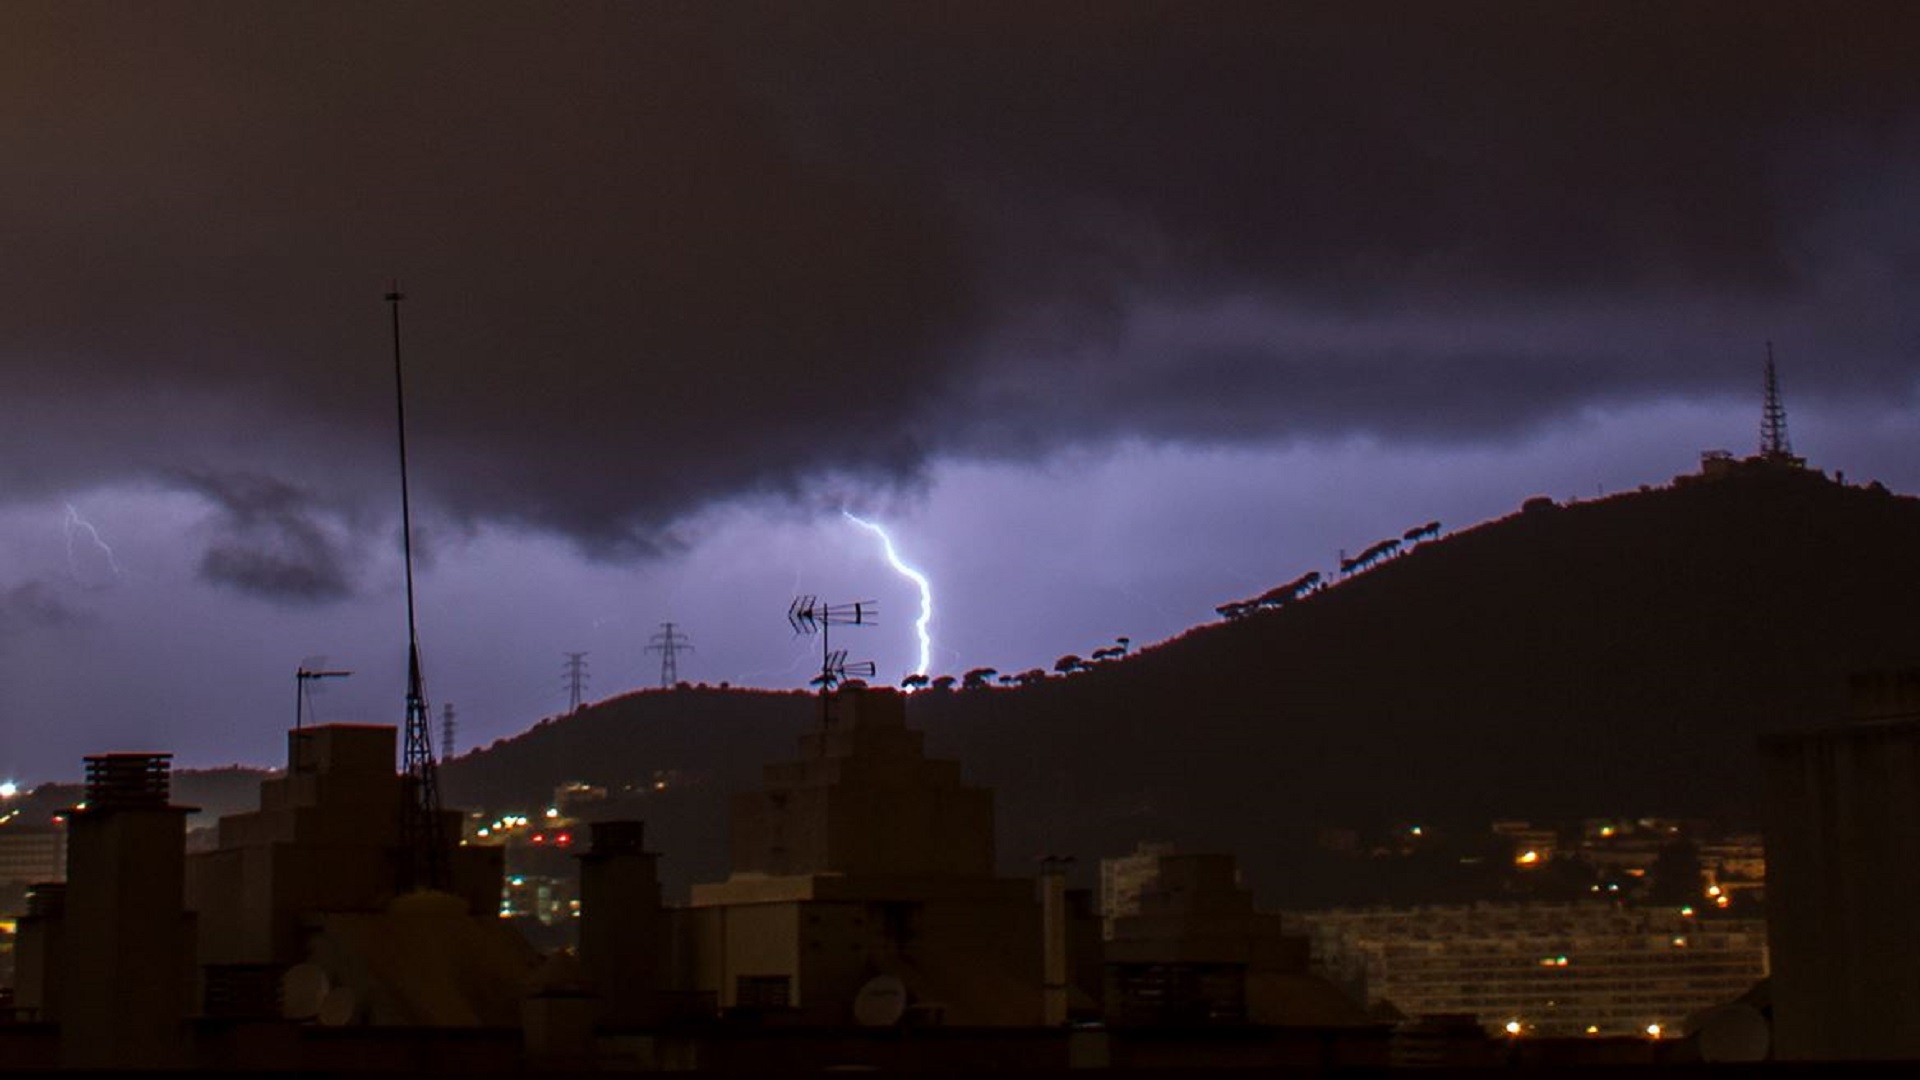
point(669, 643)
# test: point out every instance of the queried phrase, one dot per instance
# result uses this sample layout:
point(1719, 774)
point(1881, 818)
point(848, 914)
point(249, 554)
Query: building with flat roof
point(864, 866)
point(1587, 968)
point(314, 877)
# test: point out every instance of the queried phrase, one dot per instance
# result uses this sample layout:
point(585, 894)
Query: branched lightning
point(77, 524)
point(926, 589)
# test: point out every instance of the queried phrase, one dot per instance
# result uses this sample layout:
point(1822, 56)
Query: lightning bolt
point(77, 524)
point(913, 575)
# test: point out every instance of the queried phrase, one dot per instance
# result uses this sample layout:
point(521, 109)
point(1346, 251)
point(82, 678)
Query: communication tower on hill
point(1774, 444)
point(446, 730)
point(669, 643)
point(424, 857)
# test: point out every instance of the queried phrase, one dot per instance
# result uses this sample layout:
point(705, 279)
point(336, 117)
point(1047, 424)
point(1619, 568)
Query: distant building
point(30, 854)
point(1187, 949)
point(1547, 968)
point(1843, 849)
point(864, 871)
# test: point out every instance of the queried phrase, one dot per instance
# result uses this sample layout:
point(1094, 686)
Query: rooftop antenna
point(424, 862)
point(807, 615)
point(669, 643)
point(1773, 418)
point(302, 678)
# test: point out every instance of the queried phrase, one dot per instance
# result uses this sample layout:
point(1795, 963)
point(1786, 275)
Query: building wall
point(1122, 878)
point(1624, 968)
point(30, 854)
point(862, 857)
point(127, 943)
point(862, 799)
point(1843, 840)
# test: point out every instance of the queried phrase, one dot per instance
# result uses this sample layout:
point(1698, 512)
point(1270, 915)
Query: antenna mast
point(669, 643)
point(424, 863)
point(807, 615)
point(1773, 418)
point(301, 678)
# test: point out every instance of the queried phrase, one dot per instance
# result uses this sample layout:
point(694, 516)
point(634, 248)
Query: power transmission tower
point(1773, 418)
point(576, 673)
point(669, 643)
point(446, 731)
point(425, 857)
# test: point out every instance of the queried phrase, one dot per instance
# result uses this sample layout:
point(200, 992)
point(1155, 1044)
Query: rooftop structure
point(1187, 948)
point(108, 956)
point(315, 871)
point(864, 859)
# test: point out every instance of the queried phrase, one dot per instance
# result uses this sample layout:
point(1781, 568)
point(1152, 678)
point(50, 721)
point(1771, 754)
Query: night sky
point(1112, 311)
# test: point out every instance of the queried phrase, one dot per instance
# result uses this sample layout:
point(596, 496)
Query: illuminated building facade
point(1122, 879)
point(1546, 968)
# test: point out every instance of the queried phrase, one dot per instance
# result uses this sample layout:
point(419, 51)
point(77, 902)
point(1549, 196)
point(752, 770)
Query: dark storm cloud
point(32, 606)
point(661, 255)
point(272, 541)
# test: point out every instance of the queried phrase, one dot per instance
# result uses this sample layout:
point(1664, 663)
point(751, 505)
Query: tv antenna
point(669, 643)
point(807, 615)
point(303, 679)
point(425, 864)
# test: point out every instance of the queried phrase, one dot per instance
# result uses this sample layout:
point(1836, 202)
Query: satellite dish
point(881, 1002)
point(302, 989)
point(1733, 1033)
point(338, 1008)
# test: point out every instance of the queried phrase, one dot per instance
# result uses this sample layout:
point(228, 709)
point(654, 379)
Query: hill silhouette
point(1609, 657)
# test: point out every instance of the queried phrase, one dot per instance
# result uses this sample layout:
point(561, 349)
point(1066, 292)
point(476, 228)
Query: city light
point(1513, 1027)
point(1653, 1030)
point(8, 789)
